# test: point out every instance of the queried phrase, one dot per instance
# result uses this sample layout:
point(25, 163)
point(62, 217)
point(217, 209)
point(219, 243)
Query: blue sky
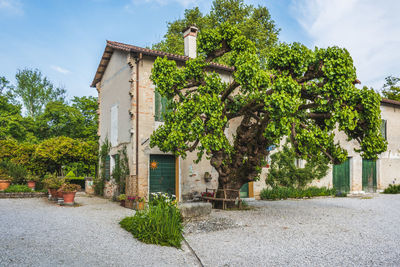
point(65, 39)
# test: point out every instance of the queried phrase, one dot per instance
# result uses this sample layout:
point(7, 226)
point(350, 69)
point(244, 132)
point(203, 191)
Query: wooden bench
point(225, 199)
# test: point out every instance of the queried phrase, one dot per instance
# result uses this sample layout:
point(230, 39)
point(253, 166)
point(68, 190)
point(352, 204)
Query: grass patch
point(288, 192)
point(160, 223)
point(392, 189)
point(16, 188)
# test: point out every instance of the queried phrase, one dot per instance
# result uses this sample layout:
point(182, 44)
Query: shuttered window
point(384, 129)
point(160, 106)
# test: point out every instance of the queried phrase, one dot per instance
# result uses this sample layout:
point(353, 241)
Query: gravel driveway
point(316, 232)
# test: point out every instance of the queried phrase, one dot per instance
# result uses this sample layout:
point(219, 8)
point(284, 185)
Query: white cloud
point(60, 70)
point(369, 29)
point(11, 7)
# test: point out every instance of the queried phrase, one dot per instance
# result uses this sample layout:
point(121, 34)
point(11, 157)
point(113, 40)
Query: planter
point(53, 193)
point(31, 184)
point(4, 184)
point(59, 194)
point(140, 206)
point(69, 197)
point(122, 203)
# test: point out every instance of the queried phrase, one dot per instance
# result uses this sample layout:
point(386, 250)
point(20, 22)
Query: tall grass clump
point(160, 223)
point(392, 189)
point(280, 192)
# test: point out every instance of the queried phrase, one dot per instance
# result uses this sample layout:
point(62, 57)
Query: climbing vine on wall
point(103, 157)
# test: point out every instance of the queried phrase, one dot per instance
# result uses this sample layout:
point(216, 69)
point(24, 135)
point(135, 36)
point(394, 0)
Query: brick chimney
point(189, 38)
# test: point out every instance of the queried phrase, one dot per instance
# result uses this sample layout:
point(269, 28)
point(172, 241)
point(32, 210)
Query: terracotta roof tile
point(390, 102)
point(111, 45)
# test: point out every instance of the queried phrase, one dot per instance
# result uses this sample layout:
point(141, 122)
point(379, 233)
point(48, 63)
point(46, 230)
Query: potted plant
point(207, 177)
point(140, 201)
point(122, 199)
point(53, 183)
point(31, 180)
point(69, 190)
point(5, 181)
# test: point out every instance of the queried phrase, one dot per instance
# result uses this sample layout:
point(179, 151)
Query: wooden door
point(369, 175)
point(162, 174)
point(341, 176)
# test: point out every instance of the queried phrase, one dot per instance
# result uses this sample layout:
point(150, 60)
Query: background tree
point(303, 94)
point(35, 91)
point(12, 124)
point(88, 106)
point(285, 172)
point(391, 89)
point(254, 22)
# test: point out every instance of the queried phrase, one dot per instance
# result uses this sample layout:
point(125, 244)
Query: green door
point(162, 174)
point(369, 175)
point(341, 176)
point(244, 191)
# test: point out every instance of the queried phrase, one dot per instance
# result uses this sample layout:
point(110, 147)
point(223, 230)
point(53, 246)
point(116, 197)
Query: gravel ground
point(316, 232)
point(35, 232)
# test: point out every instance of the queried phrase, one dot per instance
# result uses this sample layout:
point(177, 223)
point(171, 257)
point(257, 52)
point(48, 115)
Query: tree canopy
point(254, 22)
point(391, 89)
point(299, 93)
point(34, 91)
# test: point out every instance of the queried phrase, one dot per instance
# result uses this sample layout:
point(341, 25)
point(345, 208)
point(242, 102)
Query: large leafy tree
point(301, 94)
point(88, 106)
point(254, 22)
point(391, 89)
point(34, 91)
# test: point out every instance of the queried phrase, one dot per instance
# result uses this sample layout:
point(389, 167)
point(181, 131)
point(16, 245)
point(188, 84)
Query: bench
point(224, 200)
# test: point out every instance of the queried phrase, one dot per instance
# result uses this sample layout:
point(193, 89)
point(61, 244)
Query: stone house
point(130, 110)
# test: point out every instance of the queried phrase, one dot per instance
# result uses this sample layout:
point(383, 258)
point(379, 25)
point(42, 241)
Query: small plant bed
point(288, 192)
point(160, 223)
point(21, 191)
point(392, 189)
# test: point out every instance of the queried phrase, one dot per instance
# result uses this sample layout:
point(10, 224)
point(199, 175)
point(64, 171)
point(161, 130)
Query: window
point(114, 126)
point(160, 106)
point(384, 129)
point(107, 168)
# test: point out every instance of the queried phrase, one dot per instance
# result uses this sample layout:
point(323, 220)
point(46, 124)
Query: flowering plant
point(207, 194)
point(136, 198)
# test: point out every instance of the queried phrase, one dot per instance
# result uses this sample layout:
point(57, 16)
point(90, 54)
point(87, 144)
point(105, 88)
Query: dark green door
point(244, 191)
point(341, 176)
point(162, 174)
point(369, 175)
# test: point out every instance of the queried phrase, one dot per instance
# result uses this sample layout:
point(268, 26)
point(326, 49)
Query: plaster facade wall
point(114, 94)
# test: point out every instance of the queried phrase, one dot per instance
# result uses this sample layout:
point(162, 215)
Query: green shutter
point(384, 129)
point(107, 168)
point(369, 175)
point(157, 108)
point(341, 176)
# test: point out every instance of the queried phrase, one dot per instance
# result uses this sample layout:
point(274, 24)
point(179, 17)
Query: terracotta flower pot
point(122, 203)
point(59, 194)
point(140, 206)
point(4, 184)
point(31, 184)
point(69, 197)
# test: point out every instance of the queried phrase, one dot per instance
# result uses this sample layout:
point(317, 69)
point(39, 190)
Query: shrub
point(392, 189)
point(17, 172)
point(18, 188)
point(51, 181)
point(280, 192)
point(284, 172)
point(160, 223)
point(67, 187)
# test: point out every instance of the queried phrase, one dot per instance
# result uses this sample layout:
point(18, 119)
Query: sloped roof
point(111, 46)
point(390, 102)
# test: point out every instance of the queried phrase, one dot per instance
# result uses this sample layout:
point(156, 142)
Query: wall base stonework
point(23, 195)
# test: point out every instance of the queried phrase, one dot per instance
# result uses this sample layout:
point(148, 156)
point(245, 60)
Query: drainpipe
point(138, 59)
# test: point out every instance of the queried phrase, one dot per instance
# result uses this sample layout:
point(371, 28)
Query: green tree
point(59, 119)
point(391, 89)
point(303, 94)
point(12, 124)
point(54, 153)
point(285, 172)
point(88, 106)
point(254, 22)
point(35, 91)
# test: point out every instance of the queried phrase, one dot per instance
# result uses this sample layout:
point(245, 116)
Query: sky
point(65, 39)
